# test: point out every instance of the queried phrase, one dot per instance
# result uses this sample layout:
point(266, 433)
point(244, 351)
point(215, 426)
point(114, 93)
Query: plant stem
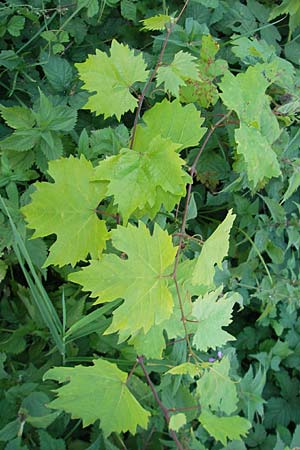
point(165, 411)
point(154, 72)
point(182, 233)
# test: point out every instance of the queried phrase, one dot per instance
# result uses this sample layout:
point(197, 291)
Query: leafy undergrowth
point(149, 225)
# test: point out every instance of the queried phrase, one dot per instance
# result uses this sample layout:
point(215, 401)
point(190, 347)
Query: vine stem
point(193, 172)
point(165, 411)
point(141, 98)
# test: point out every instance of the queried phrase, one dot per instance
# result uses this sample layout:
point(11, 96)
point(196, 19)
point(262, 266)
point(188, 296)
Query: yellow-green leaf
point(98, 392)
point(111, 78)
point(67, 208)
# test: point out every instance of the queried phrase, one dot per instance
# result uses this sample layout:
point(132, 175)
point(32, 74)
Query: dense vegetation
point(149, 225)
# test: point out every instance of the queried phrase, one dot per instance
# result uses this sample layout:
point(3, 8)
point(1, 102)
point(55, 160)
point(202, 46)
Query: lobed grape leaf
point(259, 128)
point(174, 75)
point(185, 369)
point(156, 23)
point(212, 315)
point(177, 421)
point(138, 181)
point(111, 77)
point(213, 252)
point(98, 392)
point(67, 209)
point(140, 280)
point(171, 120)
point(223, 428)
point(215, 388)
point(204, 91)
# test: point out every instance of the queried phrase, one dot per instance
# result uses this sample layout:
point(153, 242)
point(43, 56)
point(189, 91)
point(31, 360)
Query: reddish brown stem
point(193, 172)
point(165, 411)
point(153, 74)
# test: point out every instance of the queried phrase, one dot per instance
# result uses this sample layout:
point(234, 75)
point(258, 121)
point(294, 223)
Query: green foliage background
point(247, 53)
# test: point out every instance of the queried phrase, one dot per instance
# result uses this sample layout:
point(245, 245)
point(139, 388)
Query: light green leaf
point(98, 392)
point(137, 179)
point(150, 344)
point(156, 23)
point(174, 75)
point(111, 78)
point(177, 421)
point(67, 209)
point(140, 280)
point(261, 161)
point(185, 369)
point(213, 252)
point(223, 428)
point(180, 124)
point(215, 388)
point(212, 315)
point(259, 128)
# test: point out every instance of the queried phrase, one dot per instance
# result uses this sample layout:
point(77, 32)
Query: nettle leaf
point(223, 428)
point(98, 392)
point(54, 118)
point(67, 209)
point(212, 315)
point(137, 179)
point(213, 252)
point(111, 78)
point(141, 280)
point(174, 75)
point(245, 94)
point(171, 120)
point(17, 117)
point(38, 128)
point(215, 388)
point(156, 23)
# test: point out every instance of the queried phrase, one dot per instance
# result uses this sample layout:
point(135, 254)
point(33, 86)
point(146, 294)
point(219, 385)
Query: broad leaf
point(111, 77)
point(259, 128)
point(98, 392)
point(67, 209)
point(185, 369)
point(177, 421)
point(215, 388)
point(204, 91)
point(141, 280)
point(213, 252)
point(156, 23)
point(138, 181)
point(174, 75)
point(223, 428)
point(212, 315)
point(171, 120)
